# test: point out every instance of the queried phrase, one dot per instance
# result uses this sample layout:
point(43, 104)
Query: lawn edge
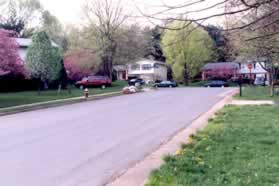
point(55, 103)
point(138, 174)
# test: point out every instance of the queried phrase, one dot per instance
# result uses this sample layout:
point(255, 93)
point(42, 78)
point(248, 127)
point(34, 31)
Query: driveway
point(88, 143)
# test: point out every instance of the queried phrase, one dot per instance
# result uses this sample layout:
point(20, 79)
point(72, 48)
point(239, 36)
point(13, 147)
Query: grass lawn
point(239, 147)
point(258, 93)
point(20, 98)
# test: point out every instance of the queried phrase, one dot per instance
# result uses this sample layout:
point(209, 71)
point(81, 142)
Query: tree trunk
point(186, 75)
point(272, 82)
point(39, 87)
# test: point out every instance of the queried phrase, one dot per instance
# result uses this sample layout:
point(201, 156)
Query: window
point(146, 66)
point(135, 67)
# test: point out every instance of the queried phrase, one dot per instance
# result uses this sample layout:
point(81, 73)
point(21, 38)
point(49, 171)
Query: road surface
point(85, 144)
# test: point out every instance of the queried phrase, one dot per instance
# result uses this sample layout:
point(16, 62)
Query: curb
point(138, 175)
point(55, 103)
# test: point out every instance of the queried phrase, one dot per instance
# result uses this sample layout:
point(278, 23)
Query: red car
point(94, 81)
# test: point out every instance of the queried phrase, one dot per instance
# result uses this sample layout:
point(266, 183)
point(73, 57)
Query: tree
point(185, 52)
point(221, 42)
point(155, 51)
point(132, 44)
point(52, 26)
point(10, 62)
point(80, 63)
point(105, 18)
point(17, 15)
point(43, 60)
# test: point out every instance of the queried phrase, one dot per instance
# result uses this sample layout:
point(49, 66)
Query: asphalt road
point(88, 143)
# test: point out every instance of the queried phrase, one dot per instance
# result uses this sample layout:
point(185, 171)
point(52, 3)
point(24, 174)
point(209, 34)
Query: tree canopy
point(187, 50)
point(43, 60)
point(10, 62)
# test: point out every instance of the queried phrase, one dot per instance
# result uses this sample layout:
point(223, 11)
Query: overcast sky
point(70, 11)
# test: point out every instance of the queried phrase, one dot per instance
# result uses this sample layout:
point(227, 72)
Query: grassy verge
point(239, 147)
point(257, 93)
point(21, 98)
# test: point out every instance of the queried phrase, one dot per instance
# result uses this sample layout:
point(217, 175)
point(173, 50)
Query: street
point(85, 144)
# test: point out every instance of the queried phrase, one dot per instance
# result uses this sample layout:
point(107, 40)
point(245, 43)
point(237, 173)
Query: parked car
point(133, 82)
point(165, 84)
point(94, 81)
point(217, 84)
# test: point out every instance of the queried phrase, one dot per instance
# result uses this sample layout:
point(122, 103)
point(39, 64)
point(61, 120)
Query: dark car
point(165, 84)
point(133, 82)
point(94, 81)
point(217, 84)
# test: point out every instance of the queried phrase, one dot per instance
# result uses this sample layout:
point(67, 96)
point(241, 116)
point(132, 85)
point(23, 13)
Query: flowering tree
point(10, 62)
point(80, 63)
point(43, 60)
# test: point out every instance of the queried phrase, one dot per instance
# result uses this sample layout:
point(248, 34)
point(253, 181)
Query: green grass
point(257, 93)
point(28, 97)
point(240, 147)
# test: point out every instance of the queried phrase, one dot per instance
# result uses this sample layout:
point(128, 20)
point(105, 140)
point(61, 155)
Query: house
point(23, 44)
point(221, 70)
point(234, 70)
point(149, 70)
point(120, 72)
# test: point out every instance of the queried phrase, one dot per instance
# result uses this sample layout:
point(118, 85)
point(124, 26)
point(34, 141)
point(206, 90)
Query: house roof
point(221, 65)
point(120, 68)
point(149, 61)
point(26, 42)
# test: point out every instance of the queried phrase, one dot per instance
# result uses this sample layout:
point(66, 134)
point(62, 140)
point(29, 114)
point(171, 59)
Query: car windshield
point(166, 82)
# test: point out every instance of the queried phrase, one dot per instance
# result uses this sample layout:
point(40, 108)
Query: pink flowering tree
point(10, 61)
point(80, 64)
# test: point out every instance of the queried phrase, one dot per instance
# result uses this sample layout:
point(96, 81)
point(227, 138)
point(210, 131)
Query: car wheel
point(223, 86)
point(81, 87)
point(104, 86)
point(208, 86)
point(170, 86)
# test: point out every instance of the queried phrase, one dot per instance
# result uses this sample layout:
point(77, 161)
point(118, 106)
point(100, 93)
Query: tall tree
point(132, 44)
point(186, 51)
point(221, 42)
point(155, 51)
point(52, 26)
point(43, 60)
point(105, 18)
point(10, 62)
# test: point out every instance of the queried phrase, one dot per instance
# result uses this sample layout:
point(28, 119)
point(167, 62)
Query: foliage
point(186, 52)
point(80, 63)
point(221, 42)
point(43, 60)
point(155, 51)
point(52, 26)
point(239, 147)
point(10, 62)
point(132, 44)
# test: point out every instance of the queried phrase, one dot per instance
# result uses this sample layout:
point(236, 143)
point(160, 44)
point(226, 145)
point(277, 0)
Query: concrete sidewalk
point(252, 102)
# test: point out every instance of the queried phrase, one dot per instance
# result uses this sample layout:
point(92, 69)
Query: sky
point(70, 11)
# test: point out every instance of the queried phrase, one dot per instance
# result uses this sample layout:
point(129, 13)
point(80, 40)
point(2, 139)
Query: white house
point(148, 70)
point(23, 44)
